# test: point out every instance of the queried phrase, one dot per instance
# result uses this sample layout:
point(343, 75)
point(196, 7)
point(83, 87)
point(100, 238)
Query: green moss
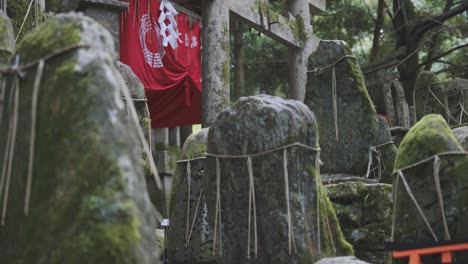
point(298, 29)
point(7, 46)
point(17, 11)
point(53, 35)
point(86, 182)
point(431, 135)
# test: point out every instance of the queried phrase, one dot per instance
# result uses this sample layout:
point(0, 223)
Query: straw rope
point(436, 170)
point(252, 203)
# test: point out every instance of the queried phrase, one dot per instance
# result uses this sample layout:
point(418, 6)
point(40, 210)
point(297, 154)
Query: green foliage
point(266, 65)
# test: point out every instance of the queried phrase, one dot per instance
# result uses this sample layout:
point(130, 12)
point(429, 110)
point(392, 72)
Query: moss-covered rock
point(430, 136)
point(461, 133)
point(364, 212)
point(7, 39)
point(198, 247)
point(254, 125)
point(88, 198)
point(457, 99)
point(427, 102)
point(358, 124)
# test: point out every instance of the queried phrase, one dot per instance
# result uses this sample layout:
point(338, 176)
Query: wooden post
point(239, 61)
point(298, 57)
point(215, 60)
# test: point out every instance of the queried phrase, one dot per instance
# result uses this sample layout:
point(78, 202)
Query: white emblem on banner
point(154, 59)
point(168, 24)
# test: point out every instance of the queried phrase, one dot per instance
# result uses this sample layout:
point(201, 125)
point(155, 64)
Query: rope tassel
point(218, 211)
point(37, 84)
point(189, 183)
point(335, 102)
point(437, 163)
point(252, 204)
point(11, 150)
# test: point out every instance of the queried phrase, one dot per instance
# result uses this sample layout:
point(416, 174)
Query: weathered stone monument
point(364, 211)
point(189, 239)
point(263, 190)
point(457, 98)
point(430, 186)
point(429, 96)
point(71, 187)
point(351, 139)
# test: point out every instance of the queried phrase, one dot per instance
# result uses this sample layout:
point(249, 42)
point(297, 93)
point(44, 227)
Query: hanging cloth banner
point(164, 52)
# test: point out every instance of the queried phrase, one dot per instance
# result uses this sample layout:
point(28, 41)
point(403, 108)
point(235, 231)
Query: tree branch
point(441, 55)
point(427, 24)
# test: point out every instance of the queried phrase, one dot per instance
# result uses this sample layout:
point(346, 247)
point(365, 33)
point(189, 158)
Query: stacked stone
point(87, 201)
point(365, 213)
point(433, 164)
point(457, 97)
point(264, 153)
point(429, 96)
point(349, 128)
point(189, 239)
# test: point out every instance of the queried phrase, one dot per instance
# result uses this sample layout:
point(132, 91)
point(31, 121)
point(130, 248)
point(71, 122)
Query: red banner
point(171, 76)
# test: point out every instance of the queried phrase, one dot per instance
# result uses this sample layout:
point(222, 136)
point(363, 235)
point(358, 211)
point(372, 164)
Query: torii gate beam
point(294, 32)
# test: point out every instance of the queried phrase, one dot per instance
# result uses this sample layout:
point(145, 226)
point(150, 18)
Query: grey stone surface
point(365, 215)
point(431, 135)
point(427, 102)
point(461, 133)
point(341, 260)
point(457, 98)
point(254, 125)
point(107, 13)
point(88, 198)
point(198, 247)
point(358, 123)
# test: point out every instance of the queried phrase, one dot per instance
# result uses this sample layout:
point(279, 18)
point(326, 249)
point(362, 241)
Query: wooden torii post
point(294, 31)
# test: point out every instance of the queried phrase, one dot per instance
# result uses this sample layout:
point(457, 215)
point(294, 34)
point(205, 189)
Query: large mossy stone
point(429, 95)
point(198, 247)
point(457, 98)
point(7, 39)
point(358, 124)
point(430, 136)
point(88, 198)
point(254, 125)
point(461, 133)
point(365, 215)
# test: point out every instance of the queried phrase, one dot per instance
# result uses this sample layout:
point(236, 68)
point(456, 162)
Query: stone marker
point(429, 137)
point(429, 96)
point(365, 215)
point(461, 133)
point(138, 97)
point(347, 134)
point(457, 98)
point(341, 260)
point(88, 199)
point(262, 128)
point(191, 225)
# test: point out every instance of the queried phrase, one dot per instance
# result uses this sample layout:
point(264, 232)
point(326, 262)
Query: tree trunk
point(377, 28)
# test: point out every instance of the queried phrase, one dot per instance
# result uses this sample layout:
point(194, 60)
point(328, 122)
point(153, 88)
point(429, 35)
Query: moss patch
point(428, 137)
